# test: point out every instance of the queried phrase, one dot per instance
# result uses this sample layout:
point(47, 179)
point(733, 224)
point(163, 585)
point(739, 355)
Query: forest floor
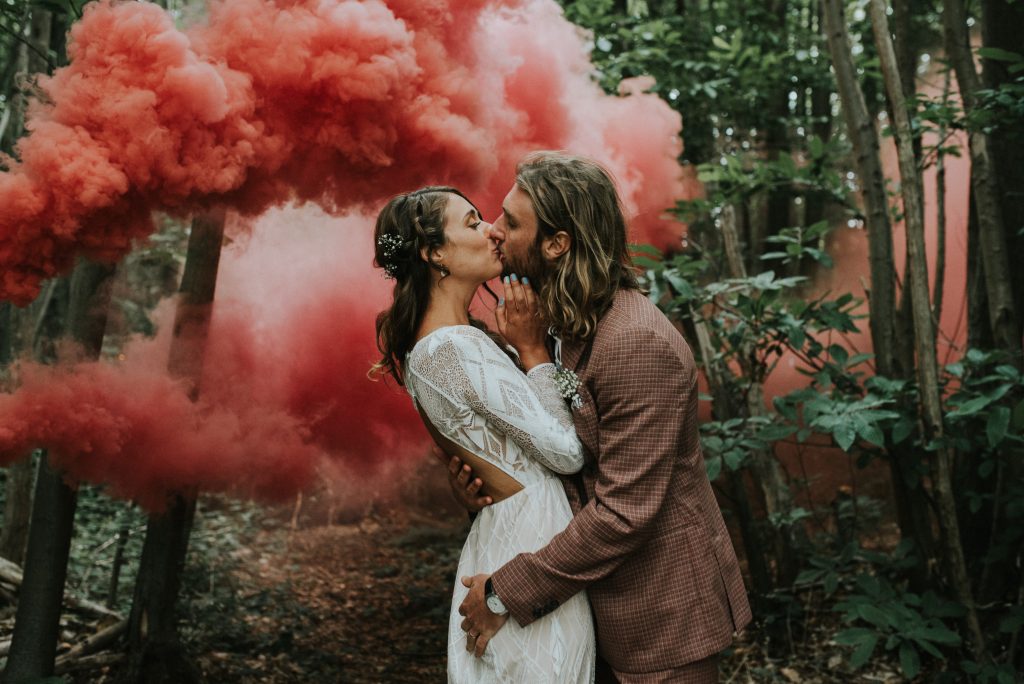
point(368, 602)
point(274, 597)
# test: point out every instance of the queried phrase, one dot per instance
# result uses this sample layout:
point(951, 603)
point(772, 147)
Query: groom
point(647, 542)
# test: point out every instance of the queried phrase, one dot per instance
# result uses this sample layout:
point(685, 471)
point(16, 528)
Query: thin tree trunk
point(911, 508)
point(34, 642)
point(17, 510)
point(6, 335)
point(861, 128)
point(18, 485)
point(767, 470)
point(156, 653)
point(1000, 28)
point(753, 544)
point(118, 561)
point(979, 329)
point(940, 215)
point(924, 331)
point(1003, 315)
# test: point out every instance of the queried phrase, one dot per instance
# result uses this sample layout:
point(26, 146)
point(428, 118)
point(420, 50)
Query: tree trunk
point(17, 510)
point(979, 328)
point(18, 486)
point(1000, 28)
point(1003, 314)
point(765, 468)
point(36, 625)
point(155, 651)
point(924, 331)
point(940, 214)
point(860, 126)
point(753, 543)
point(911, 506)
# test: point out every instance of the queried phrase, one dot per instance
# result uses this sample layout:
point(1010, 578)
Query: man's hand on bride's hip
point(520, 322)
point(465, 487)
point(480, 624)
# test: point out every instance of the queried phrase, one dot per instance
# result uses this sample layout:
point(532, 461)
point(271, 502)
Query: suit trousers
point(700, 672)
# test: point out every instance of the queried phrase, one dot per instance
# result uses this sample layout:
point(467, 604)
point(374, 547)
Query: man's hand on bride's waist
point(465, 487)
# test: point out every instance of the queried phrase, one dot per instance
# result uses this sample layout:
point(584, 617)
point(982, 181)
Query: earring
point(444, 271)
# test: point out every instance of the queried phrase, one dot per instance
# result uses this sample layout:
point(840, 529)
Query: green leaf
point(902, 429)
point(713, 466)
point(1018, 416)
point(938, 635)
point(874, 615)
point(845, 434)
point(1000, 54)
point(998, 422)
point(862, 653)
point(910, 661)
point(809, 576)
point(871, 433)
point(855, 636)
point(816, 147)
point(720, 43)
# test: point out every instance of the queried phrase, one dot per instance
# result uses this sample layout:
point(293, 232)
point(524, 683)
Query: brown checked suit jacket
point(648, 542)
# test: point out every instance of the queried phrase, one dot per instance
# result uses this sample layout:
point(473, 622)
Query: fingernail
point(506, 280)
point(501, 301)
point(526, 281)
point(515, 279)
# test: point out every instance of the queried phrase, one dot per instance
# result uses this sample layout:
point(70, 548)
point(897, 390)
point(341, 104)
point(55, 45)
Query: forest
point(199, 481)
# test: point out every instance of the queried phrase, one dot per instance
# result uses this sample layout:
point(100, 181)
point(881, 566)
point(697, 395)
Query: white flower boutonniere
point(568, 385)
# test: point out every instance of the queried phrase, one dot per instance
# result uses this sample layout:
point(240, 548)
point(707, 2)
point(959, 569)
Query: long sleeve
point(635, 467)
point(468, 370)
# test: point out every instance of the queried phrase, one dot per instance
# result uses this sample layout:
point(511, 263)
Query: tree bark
point(17, 510)
point(34, 643)
point(765, 468)
point(1000, 28)
point(156, 654)
point(940, 215)
point(1003, 315)
point(860, 126)
point(911, 507)
point(924, 331)
point(753, 543)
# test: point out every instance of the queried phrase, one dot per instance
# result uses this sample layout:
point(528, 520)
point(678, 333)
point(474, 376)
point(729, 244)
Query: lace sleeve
point(493, 387)
point(542, 379)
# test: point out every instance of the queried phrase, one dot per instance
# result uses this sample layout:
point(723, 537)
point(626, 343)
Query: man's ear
point(555, 246)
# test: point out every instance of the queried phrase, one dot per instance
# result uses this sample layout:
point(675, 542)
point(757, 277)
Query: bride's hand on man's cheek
point(520, 322)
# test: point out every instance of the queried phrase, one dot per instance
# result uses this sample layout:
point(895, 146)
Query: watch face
point(495, 605)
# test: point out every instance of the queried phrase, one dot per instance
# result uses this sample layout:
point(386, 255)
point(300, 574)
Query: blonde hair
point(578, 196)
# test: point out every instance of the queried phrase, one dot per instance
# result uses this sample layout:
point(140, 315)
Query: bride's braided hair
point(405, 226)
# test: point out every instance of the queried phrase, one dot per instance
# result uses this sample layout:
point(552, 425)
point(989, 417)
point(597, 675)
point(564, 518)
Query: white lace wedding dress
point(475, 396)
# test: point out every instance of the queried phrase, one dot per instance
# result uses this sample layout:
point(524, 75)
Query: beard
point(532, 265)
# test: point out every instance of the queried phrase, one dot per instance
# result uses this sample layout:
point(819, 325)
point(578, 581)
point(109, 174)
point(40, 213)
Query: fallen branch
point(97, 642)
point(92, 662)
point(11, 574)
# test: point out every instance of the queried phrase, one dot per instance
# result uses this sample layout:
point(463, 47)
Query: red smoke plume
point(341, 103)
point(337, 103)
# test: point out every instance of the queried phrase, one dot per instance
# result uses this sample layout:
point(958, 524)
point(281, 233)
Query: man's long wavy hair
point(578, 195)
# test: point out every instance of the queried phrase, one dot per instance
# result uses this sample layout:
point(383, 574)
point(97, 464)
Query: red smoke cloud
point(336, 103)
point(341, 103)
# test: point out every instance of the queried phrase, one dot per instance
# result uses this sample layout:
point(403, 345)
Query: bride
point(502, 408)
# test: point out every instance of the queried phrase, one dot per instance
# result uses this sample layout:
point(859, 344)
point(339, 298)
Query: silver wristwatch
point(494, 603)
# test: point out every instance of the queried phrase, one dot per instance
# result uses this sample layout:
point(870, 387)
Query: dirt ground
point(365, 600)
